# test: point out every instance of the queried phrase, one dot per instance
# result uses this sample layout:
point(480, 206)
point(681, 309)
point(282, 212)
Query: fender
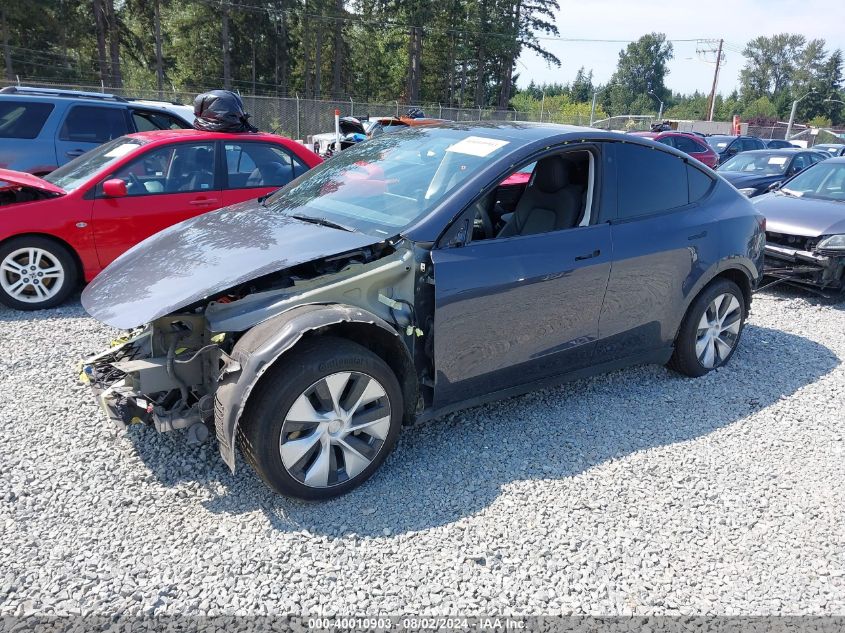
point(739, 264)
point(261, 346)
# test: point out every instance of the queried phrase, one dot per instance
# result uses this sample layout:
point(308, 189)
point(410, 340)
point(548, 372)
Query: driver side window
point(553, 194)
point(182, 168)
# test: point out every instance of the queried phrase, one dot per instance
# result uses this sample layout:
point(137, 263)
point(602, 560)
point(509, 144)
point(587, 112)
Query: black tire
point(61, 256)
point(260, 430)
point(684, 359)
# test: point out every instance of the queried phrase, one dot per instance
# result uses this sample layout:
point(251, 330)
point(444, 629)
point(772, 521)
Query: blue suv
point(43, 128)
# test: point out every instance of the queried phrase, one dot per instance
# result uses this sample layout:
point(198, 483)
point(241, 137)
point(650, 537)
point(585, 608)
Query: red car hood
point(9, 178)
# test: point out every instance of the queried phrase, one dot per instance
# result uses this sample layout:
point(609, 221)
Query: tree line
point(459, 53)
point(456, 52)
point(778, 70)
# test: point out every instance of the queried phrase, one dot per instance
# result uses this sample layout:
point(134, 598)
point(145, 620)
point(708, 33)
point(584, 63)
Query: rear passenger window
point(699, 183)
point(650, 181)
point(92, 124)
point(688, 145)
point(19, 119)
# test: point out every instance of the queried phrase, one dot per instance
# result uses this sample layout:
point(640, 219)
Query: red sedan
point(688, 143)
point(76, 220)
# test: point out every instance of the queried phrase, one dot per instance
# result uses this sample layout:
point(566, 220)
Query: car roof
point(191, 133)
point(784, 151)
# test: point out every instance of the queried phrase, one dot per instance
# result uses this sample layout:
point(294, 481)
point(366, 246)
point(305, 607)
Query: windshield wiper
point(322, 222)
point(788, 192)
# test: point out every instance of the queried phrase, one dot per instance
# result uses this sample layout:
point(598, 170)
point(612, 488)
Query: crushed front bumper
point(109, 384)
point(805, 267)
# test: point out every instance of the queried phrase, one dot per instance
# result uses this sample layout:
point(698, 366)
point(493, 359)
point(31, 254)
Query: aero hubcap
point(31, 275)
point(718, 331)
point(335, 429)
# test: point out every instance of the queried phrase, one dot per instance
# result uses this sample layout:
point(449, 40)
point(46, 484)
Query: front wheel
point(710, 333)
point(324, 420)
point(35, 273)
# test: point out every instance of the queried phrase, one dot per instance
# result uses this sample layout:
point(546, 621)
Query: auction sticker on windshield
point(477, 146)
point(777, 160)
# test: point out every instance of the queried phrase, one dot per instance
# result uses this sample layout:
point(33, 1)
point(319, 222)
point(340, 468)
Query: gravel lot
point(638, 492)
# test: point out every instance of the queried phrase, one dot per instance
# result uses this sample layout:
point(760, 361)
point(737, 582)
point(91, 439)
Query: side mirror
point(114, 188)
point(774, 186)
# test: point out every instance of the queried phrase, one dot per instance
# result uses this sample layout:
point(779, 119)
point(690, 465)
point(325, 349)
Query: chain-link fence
point(300, 118)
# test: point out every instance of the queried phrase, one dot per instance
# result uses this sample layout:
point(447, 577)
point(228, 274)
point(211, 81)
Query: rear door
point(255, 168)
point(165, 185)
point(662, 244)
point(87, 126)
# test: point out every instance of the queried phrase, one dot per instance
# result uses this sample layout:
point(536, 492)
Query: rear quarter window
point(699, 183)
point(20, 119)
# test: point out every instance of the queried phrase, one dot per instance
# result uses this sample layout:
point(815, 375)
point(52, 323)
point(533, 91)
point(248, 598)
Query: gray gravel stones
point(639, 492)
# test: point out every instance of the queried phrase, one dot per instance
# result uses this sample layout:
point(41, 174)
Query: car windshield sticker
point(777, 160)
point(121, 150)
point(477, 146)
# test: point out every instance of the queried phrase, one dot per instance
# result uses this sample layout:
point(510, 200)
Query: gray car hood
point(203, 257)
point(807, 217)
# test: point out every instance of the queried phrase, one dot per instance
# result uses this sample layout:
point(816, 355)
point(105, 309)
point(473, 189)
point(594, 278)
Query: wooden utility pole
point(711, 102)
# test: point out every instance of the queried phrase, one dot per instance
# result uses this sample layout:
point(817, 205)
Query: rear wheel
point(35, 273)
point(324, 420)
point(710, 333)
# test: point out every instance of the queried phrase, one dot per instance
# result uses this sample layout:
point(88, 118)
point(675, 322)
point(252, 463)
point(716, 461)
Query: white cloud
point(737, 21)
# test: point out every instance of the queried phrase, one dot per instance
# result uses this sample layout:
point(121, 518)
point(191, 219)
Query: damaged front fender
point(263, 345)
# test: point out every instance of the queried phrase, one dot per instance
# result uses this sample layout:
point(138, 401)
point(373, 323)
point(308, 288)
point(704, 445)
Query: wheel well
point(57, 240)
point(384, 345)
point(740, 279)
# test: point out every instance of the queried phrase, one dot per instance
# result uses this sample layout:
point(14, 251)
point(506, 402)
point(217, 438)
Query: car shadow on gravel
point(457, 466)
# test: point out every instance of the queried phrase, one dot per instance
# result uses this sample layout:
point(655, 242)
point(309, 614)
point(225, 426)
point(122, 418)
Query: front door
point(165, 185)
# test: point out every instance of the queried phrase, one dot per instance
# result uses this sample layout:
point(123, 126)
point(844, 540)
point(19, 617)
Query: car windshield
point(757, 164)
point(72, 175)
point(719, 142)
point(383, 185)
point(825, 181)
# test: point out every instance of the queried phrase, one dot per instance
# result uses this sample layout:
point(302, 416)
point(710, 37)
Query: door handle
point(595, 253)
point(697, 236)
point(73, 153)
point(205, 202)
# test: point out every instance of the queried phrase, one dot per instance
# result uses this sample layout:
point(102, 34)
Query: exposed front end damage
point(195, 369)
point(797, 259)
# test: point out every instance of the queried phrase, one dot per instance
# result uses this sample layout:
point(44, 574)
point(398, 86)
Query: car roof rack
point(58, 92)
point(161, 102)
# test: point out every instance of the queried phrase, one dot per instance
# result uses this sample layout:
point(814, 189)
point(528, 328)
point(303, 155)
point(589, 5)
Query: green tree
point(642, 67)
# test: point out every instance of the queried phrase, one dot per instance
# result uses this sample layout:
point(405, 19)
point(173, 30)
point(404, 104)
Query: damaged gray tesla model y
point(415, 274)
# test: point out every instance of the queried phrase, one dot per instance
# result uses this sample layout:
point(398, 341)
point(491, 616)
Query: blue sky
point(737, 21)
